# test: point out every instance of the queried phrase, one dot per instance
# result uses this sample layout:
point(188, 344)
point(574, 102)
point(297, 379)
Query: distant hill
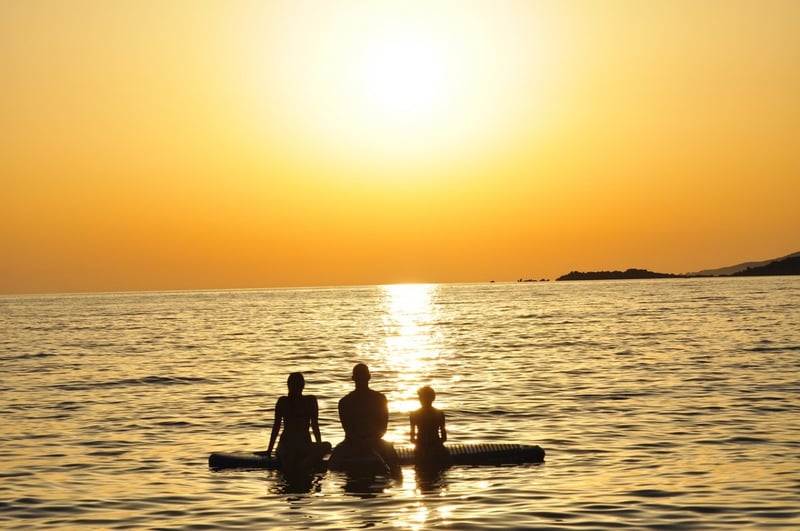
point(734, 269)
point(785, 266)
point(615, 275)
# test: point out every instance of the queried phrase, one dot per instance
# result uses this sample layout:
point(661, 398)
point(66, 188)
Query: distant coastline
point(786, 265)
point(616, 275)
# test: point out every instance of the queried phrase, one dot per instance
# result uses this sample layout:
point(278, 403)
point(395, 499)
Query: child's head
point(426, 395)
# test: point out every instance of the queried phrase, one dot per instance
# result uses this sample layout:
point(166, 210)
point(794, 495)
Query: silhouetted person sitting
point(428, 432)
point(364, 415)
point(298, 413)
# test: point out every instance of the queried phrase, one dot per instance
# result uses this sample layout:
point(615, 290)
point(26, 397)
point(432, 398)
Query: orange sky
point(183, 145)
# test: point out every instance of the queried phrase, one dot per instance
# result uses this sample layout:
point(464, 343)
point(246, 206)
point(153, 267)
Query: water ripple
point(662, 405)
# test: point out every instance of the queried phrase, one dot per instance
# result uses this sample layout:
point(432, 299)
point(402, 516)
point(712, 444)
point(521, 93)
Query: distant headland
point(786, 265)
point(615, 275)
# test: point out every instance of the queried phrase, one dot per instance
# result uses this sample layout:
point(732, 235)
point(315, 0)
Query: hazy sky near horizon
point(233, 144)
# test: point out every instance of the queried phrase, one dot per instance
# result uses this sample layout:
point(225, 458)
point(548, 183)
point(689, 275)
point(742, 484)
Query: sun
point(386, 91)
point(403, 77)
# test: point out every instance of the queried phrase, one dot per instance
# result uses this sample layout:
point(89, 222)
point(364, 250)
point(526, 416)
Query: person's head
point(296, 383)
point(361, 374)
point(426, 395)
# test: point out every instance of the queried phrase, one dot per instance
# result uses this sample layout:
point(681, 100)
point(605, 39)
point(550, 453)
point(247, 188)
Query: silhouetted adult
point(298, 413)
point(364, 414)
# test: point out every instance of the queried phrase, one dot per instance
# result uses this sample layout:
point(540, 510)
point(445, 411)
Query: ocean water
point(664, 404)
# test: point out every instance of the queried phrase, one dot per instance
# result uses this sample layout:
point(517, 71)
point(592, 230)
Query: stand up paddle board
point(493, 454)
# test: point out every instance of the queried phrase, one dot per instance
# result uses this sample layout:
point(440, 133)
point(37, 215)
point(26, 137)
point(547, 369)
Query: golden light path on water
point(413, 349)
point(658, 403)
point(412, 345)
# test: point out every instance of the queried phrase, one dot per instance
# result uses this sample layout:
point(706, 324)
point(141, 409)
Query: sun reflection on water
point(412, 344)
point(424, 498)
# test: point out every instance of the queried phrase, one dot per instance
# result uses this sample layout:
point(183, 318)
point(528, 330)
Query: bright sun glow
point(398, 87)
point(404, 77)
point(405, 89)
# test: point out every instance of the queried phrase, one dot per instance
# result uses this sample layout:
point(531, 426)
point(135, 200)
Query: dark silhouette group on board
point(364, 415)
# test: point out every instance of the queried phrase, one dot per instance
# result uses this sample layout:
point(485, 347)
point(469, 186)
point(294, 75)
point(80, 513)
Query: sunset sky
point(152, 145)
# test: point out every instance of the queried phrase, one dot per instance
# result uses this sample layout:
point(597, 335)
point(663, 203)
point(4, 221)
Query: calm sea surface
point(667, 404)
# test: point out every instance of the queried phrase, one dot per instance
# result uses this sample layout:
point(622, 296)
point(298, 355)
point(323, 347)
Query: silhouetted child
point(428, 432)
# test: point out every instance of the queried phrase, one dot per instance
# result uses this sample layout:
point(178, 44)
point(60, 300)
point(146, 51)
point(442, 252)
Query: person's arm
point(343, 420)
point(384, 425)
point(276, 425)
point(442, 428)
point(315, 419)
point(413, 421)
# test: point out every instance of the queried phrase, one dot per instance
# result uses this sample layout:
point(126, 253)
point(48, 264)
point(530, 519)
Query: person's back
point(364, 415)
point(427, 422)
point(428, 432)
point(298, 413)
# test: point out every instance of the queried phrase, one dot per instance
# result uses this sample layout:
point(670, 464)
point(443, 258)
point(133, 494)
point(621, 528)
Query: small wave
point(170, 380)
point(15, 474)
point(147, 380)
point(29, 356)
point(175, 423)
point(706, 509)
point(651, 446)
point(553, 515)
point(746, 440)
point(770, 348)
point(216, 398)
point(622, 395)
point(27, 500)
point(654, 493)
point(220, 398)
point(776, 514)
point(735, 440)
point(107, 445)
point(107, 453)
point(70, 405)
